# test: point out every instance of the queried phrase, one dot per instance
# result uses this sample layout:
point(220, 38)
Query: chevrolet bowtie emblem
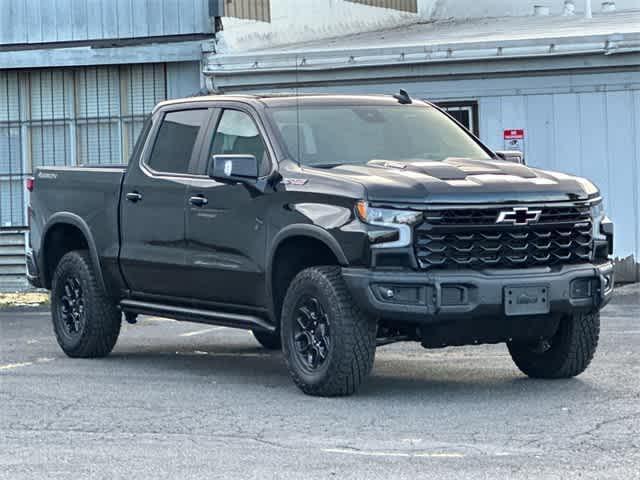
point(519, 216)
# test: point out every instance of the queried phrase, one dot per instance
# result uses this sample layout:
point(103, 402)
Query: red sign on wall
point(517, 134)
point(514, 139)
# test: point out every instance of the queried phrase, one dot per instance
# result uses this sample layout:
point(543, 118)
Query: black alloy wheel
point(72, 307)
point(312, 333)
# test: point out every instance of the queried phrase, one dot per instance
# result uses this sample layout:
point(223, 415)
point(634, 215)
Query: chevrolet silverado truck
point(327, 225)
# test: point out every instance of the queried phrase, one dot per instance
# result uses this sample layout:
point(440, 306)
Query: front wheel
point(328, 343)
point(566, 354)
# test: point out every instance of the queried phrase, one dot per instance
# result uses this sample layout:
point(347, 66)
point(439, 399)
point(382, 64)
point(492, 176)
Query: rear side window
point(176, 140)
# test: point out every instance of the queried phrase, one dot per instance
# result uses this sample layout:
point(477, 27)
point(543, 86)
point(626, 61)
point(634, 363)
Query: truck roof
point(293, 99)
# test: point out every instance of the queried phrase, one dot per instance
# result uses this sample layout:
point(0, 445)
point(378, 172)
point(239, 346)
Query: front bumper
point(427, 298)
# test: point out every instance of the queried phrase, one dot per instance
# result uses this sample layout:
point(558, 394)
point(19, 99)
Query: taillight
point(30, 183)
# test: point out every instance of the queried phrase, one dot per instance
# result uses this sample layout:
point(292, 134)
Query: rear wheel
point(270, 341)
point(86, 322)
point(566, 354)
point(328, 343)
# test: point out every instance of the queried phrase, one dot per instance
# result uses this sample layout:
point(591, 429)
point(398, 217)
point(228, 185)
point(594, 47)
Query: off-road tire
point(569, 354)
point(102, 319)
point(270, 341)
point(352, 335)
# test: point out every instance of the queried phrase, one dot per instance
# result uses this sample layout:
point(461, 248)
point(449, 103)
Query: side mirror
point(511, 156)
point(233, 168)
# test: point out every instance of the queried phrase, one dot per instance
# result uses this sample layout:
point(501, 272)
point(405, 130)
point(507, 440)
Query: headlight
point(602, 231)
point(400, 220)
point(597, 214)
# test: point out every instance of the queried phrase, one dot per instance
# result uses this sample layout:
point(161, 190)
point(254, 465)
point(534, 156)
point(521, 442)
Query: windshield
point(339, 134)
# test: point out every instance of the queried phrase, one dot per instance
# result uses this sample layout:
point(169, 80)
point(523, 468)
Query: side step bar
point(224, 319)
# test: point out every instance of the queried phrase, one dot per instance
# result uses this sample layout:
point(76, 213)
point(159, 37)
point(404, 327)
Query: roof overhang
point(348, 59)
point(90, 55)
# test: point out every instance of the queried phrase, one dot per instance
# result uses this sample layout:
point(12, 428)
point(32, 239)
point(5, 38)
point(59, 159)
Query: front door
point(225, 223)
point(153, 205)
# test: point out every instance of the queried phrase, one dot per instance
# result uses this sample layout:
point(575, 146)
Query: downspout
point(587, 9)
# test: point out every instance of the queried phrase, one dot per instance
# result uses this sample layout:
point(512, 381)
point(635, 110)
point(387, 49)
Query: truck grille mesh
point(470, 238)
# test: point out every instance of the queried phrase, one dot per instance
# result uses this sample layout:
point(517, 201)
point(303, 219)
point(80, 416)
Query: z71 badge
point(295, 181)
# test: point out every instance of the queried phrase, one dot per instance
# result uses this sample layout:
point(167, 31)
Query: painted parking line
point(226, 354)
point(11, 366)
point(9, 315)
point(201, 332)
point(373, 453)
point(159, 319)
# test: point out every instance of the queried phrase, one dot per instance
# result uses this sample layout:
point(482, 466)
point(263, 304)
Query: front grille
point(488, 216)
point(470, 238)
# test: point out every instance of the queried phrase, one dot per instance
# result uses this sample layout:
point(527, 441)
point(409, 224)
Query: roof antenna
point(403, 97)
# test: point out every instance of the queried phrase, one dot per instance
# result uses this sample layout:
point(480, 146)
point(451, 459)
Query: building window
point(465, 112)
point(250, 9)
point(69, 116)
point(402, 5)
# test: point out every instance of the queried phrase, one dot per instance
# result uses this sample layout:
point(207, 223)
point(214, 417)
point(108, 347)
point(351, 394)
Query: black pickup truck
point(327, 225)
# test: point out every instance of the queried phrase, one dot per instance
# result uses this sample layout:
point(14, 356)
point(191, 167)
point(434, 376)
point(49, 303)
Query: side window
point(175, 140)
point(238, 134)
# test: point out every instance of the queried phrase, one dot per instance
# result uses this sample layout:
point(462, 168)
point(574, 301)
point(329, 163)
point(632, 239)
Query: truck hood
point(458, 180)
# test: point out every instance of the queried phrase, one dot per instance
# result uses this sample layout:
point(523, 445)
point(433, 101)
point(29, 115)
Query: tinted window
point(237, 134)
point(175, 141)
point(355, 134)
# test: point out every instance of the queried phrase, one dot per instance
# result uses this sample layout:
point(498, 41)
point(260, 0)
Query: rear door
point(152, 254)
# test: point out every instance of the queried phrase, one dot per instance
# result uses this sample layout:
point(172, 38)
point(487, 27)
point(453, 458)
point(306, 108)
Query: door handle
point(198, 201)
point(134, 197)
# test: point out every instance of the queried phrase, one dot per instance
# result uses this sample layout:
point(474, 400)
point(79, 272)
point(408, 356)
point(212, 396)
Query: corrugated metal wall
point(13, 269)
point(63, 116)
point(36, 21)
point(402, 5)
point(250, 9)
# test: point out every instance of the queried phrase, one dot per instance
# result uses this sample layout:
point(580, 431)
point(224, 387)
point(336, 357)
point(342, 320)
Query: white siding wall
point(593, 134)
point(498, 8)
point(583, 124)
point(302, 20)
point(294, 21)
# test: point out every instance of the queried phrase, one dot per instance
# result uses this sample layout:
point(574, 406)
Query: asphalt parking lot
point(180, 400)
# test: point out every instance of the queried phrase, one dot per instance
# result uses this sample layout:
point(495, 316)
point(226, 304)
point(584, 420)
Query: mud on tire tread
point(103, 319)
point(353, 335)
point(571, 352)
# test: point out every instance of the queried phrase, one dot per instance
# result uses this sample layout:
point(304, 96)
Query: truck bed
point(89, 195)
point(85, 191)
